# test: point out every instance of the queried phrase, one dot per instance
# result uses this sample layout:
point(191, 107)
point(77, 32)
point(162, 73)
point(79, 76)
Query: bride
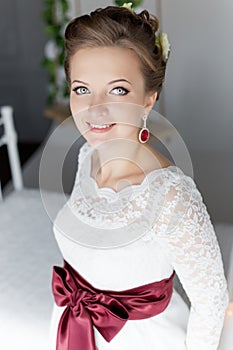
point(133, 219)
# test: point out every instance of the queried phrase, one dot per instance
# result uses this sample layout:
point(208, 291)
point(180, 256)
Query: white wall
point(197, 95)
point(198, 91)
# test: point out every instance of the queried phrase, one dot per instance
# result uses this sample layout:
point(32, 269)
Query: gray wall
point(198, 97)
point(88, 5)
point(198, 91)
point(22, 79)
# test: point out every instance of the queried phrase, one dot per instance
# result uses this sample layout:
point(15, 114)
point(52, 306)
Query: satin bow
point(108, 311)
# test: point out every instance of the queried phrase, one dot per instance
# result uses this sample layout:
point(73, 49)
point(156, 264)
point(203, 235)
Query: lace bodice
point(167, 215)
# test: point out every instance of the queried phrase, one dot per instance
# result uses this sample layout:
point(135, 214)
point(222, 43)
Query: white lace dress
point(153, 228)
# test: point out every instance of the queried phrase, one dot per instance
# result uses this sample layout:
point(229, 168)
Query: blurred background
point(197, 96)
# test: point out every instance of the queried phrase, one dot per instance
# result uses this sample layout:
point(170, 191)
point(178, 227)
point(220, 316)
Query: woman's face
point(107, 95)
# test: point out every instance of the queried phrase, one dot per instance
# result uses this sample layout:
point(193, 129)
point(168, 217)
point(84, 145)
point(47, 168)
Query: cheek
point(73, 103)
point(77, 104)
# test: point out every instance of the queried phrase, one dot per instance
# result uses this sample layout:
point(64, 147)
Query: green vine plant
point(55, 16)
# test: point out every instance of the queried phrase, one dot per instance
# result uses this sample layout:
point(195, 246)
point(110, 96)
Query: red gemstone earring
point(144, 133)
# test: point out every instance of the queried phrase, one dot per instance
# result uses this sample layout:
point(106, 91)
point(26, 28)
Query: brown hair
point(118, 26)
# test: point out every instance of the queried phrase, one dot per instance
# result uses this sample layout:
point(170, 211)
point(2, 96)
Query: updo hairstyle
point(119, 27)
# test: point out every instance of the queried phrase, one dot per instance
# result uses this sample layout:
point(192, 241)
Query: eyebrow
point(118, 80)
point(111, 82)
point(79, 81)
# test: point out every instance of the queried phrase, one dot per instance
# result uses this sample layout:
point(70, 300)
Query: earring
point(144, 133)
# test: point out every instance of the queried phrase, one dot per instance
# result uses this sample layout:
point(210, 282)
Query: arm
point(191, 246)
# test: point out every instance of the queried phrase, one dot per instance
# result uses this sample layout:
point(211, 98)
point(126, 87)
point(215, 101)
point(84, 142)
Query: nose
point(97, 98)
point(98, 110)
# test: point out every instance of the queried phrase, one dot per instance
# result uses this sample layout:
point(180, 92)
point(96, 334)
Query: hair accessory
point(128, 5)
point(161, 41)
point(144, 133)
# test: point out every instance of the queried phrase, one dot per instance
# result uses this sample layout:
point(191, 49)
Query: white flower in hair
point(163, 44)
point(128, 5)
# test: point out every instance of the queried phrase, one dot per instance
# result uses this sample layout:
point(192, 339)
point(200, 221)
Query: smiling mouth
point(100, 126)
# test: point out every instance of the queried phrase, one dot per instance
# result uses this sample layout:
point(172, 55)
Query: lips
point(100, 126)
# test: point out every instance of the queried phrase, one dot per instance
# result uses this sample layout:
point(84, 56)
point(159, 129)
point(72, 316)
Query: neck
point(117, 159)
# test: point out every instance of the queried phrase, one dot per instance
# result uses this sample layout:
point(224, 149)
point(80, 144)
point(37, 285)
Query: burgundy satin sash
point(107, 310)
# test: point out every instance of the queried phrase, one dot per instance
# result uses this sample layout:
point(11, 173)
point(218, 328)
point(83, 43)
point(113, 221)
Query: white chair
point(28, 252)
point(9, 139)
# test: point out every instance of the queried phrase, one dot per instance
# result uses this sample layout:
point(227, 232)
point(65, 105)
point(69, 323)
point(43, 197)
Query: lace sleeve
point(186, 233)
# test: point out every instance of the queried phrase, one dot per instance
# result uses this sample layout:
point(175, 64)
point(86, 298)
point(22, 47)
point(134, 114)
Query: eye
point(80, 90)
point(120, 91)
